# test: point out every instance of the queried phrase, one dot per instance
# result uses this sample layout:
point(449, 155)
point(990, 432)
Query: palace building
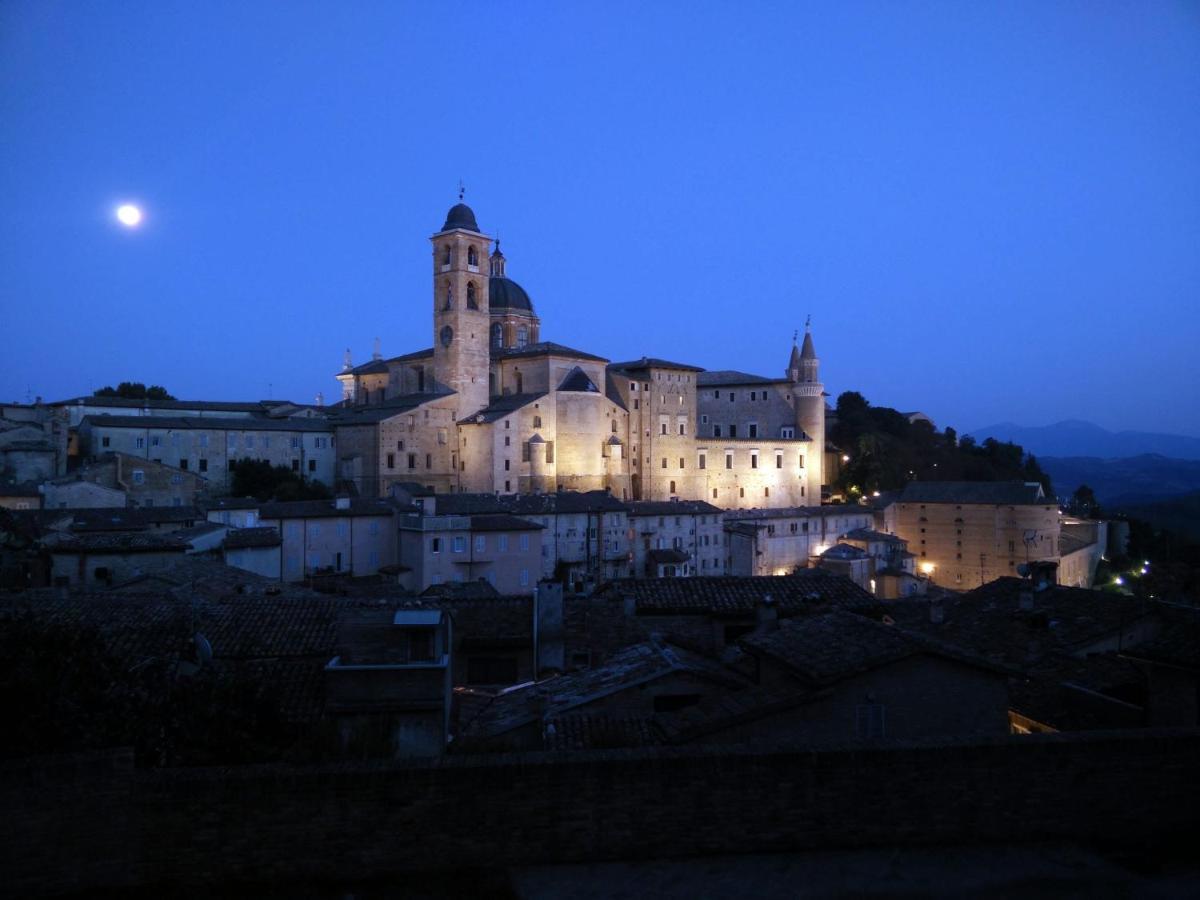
point(491, 407)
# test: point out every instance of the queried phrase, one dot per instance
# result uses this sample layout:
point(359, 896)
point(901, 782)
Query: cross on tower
point(461, 190)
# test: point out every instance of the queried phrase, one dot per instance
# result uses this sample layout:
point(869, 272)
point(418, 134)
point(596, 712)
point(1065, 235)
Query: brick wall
point(73, 824)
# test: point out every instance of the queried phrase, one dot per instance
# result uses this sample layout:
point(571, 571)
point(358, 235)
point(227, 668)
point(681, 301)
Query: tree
point(259, 479)
point(1083, 502)
point(135, 390)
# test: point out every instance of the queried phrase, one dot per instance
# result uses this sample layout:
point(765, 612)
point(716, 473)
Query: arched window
point(472, 257)
point(446, 256)
point(497, 336)
point(522, 336)
point(449, 296)
point(472, 301)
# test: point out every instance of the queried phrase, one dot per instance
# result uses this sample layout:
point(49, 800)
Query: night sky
point(992, 211)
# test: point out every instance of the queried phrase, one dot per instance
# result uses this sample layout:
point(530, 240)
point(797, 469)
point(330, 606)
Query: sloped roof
point(500, 407)
point(207, 423)
point(245, 538)
point(651, 362)
point(810, 590)
point(577, 381)
point(998, 493)
point(544, 348)
point(630, 667)
point(722, 377)
point(989, 622)
point(672, 508)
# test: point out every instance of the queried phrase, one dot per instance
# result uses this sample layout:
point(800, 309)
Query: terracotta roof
point(810, 590)
point(989, 622)
point(242, 538)
point(502, 522)
point(317, 509)
point(553, 697)
point(118, 542)
point(528, 504)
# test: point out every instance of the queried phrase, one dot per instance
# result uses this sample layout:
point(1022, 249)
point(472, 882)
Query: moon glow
point(129, 215)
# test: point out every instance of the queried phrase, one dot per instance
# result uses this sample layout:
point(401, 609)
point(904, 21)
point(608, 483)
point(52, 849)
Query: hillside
point(1136, 479)
point(1074, 438)
point(1178, 514)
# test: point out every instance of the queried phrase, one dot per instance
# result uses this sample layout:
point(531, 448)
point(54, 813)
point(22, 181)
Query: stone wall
point(79, 824)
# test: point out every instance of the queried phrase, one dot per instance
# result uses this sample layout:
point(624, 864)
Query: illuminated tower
point(460, 309)
point(808, 397)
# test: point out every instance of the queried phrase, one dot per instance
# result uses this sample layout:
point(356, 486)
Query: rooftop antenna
point(808, 322)
point(795, 335)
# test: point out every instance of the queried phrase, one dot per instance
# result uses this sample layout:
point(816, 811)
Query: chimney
point(320, 398)
point(767, 615)
point(937, 612)
point(378, 354)
point(1025, 600)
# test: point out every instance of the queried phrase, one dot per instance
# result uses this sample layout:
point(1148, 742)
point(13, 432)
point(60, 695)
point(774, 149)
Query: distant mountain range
point(1075, 438)
point(1123, 482)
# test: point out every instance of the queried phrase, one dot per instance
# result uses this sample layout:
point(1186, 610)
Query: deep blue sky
point(992, 211)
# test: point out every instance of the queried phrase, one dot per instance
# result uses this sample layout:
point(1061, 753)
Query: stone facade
point(494, 409)
point(777, 541)
point(965, 534)
point(502, 550)
point(208, 446)
point(121, 479)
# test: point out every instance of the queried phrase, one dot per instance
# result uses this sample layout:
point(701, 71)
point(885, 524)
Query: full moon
point(129, 215)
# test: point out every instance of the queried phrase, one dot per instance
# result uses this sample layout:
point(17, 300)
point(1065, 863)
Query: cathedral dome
point(504, 293)
point(460, 216)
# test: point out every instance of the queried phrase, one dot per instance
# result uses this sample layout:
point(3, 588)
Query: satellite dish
point(204, 651)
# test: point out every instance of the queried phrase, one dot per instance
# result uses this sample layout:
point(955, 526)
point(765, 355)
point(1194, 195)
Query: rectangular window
point(249, 442)
point(104, 442)
point(204, 440)
point(295, 465)
point(460, 543)
point(295, 443)
point(412, 460)
point(664, 459)
point(429, 460)
point(663, 426)
point(733, 431)
point(139, 477)
point(266, 442)
point(524, 541)
point(716, 430)
point(203, 465)
point(681, 462)
point(400, 445)
point(507, 465)
point(701, 461)
point(753, 432)
point(183, 464)
point(754, 460)
point(391, 460)
point(155, 441)
point(435, 545)
point(312, 465)
point(729, 460)
point(502, 543)
point(869, 721)
point(480, 543)
point(524, 577)
point(779, 460)
point(140, 442)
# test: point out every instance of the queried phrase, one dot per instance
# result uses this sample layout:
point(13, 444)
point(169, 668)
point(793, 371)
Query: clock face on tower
point(446, 335)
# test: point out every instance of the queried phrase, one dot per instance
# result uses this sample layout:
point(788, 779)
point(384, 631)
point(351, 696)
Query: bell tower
point(809, 399)
point(460, 309)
